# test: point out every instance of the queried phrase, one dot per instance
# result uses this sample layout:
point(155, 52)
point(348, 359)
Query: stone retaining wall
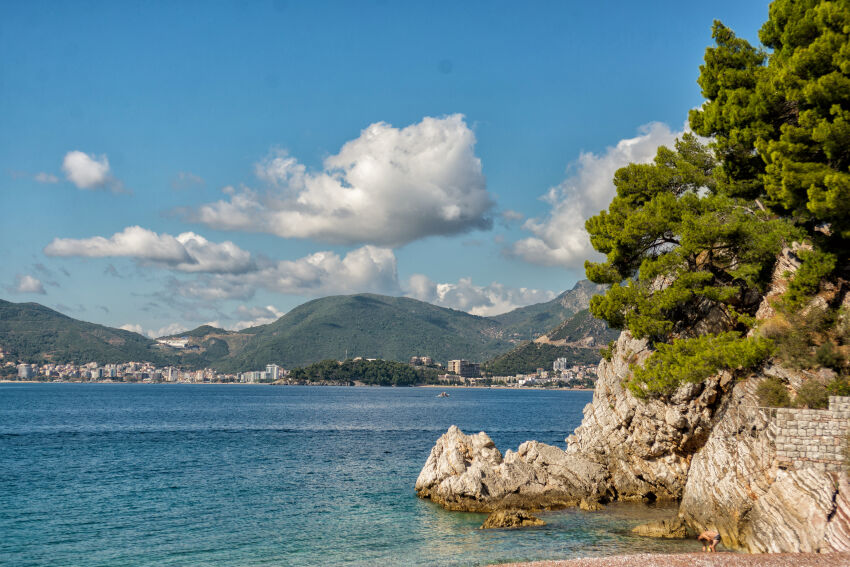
point(813, 438)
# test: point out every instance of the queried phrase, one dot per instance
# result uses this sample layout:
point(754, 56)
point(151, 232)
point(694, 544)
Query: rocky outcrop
point(467, 472)
point(644, 445)
point(708, 445)
point(511, 519)
point(793, 515)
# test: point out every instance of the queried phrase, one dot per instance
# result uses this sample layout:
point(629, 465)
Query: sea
point(239, 475)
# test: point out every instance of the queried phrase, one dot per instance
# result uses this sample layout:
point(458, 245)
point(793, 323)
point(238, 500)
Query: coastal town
point(459, 372)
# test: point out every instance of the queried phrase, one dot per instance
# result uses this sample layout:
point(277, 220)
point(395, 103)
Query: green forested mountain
point(35, 333)
point(371, 326)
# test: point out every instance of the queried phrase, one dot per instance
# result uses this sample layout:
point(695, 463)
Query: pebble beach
point(702, 560)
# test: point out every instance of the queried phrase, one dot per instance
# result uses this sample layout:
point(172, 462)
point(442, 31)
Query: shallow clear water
point(114, 474)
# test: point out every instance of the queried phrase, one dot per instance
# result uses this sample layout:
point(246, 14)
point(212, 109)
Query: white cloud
point(170, 329)
point(133, 328)
point(25, 283)
point(253, 316)
point(387, 187)
point(493, 299)
point(187, 252)
point(365, 269)
point(43, 177)
point(560, 239)
point(90, 172)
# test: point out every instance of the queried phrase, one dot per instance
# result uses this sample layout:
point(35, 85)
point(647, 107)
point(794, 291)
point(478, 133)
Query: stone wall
point(813, 438)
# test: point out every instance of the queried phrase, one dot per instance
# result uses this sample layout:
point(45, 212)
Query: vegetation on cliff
point(691, 239)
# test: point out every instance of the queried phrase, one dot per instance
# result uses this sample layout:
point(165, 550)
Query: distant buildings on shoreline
point(460, 372)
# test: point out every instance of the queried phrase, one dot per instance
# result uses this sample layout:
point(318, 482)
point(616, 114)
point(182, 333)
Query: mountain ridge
point(368, 325)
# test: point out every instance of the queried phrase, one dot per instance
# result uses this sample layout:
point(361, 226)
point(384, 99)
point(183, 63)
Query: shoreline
point(433, 386)
point(699, 559)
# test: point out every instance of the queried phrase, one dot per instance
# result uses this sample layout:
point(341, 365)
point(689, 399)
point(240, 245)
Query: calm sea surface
point(114, 474)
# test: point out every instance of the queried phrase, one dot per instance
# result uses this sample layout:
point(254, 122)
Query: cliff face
point(709, 446)
point(645, 446)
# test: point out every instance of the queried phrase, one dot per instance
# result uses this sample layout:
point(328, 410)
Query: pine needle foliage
point(698, 230)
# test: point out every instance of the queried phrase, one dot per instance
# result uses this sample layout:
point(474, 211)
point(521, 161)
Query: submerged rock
point(673, 528)
point(590, 505)
point(511, 519)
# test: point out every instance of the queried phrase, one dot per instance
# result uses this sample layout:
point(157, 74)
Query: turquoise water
point(114, 474)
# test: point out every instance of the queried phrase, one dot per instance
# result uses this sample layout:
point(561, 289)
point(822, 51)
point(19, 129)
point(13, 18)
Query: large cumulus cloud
point(387, 187)
point(559, 239)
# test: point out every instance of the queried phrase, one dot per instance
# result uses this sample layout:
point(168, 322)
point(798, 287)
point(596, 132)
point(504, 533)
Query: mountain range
point(335, 327)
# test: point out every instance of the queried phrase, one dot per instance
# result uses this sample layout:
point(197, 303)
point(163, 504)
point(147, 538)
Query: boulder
point(590, 505)
point(673, 528)
point(511, 519)
point(467, 472)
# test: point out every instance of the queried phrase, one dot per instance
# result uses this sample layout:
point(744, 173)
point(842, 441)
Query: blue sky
point(169, 164)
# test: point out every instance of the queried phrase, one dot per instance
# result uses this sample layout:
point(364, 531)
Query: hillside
point(534, 320)
point(33, 332)
point(367, 325)
point(577, 339)
point(371, 326)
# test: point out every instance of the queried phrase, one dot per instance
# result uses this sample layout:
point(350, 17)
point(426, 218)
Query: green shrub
point(803, 340)
point(839, 387)
point(815, 266)
point(813, 395)
point(608, 351)
point(773, 393)
point(828, 356)
point(694, 360)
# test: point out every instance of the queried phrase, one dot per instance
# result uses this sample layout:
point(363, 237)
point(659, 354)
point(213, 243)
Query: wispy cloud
point(488, 300)
point(43, 177)
point(186, 180)
point(365, 269)
point(186, 252)
point(170, 329)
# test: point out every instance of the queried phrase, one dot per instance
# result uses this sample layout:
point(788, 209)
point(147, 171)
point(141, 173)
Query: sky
point(169, 164)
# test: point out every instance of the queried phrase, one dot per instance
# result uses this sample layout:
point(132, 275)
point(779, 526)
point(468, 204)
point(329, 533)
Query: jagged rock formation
point(708, 446)
point(511, 519)
point(644, 446)
point(467, 472)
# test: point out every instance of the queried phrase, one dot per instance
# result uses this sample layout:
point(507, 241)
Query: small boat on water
point(443, 395)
